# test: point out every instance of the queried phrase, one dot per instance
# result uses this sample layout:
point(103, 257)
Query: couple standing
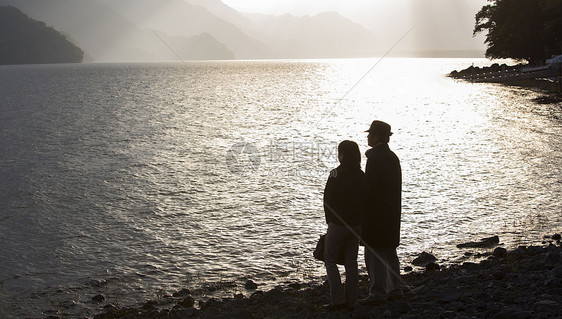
point(364, 206)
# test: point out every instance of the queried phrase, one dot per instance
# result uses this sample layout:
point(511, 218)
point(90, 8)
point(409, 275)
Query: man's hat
point(380, 128)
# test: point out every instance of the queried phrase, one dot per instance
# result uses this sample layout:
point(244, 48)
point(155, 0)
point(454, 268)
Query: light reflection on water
point(115, 178)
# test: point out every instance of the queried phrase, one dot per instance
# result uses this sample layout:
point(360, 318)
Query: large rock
point(423, 259)
point(483, 243)
point(250, 284)
point(500, 252)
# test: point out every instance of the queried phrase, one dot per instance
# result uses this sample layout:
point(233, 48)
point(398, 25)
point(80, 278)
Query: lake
point(137, 180)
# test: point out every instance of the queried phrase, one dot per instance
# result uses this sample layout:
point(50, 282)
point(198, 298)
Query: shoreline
point(525, 282)
point(541, 79)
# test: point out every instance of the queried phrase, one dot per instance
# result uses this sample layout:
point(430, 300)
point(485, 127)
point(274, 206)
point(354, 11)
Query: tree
point(521, 29)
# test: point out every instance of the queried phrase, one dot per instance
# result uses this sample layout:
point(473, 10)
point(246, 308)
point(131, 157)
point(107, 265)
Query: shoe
point(330, 307)
point(372, 301)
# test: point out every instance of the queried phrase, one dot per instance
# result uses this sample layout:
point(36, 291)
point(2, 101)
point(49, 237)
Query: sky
point(439, 23)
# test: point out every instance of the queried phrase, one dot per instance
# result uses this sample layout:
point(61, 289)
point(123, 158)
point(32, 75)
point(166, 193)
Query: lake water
point(135, 180)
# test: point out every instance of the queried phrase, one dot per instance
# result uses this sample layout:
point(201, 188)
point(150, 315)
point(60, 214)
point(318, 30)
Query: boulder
point(432, 266)
point(500, 252)
point(182, 293)
point(250, 284)
point(423, 259)
point(187, 302)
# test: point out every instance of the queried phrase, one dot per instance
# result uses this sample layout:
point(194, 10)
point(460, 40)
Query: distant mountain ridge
point(107, 36)
point(27, 41)
point(124, 30)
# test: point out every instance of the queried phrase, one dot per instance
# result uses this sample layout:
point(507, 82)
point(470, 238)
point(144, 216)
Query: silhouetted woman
point(343, 206)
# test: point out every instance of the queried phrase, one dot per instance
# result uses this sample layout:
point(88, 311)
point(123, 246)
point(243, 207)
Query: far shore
point(525, 282)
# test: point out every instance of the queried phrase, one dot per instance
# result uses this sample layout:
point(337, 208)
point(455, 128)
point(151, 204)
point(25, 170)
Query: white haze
point(157, 30)
point(440, 25)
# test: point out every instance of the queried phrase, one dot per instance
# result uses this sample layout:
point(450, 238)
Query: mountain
point(326, 35)
point(27, 41)
point(180, 18)
point(107, 36)
point(156, 30)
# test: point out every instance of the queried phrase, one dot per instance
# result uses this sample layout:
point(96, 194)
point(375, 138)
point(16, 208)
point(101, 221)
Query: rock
point(423, 259)
point(457, 306)
point(360, 313)
point(552, 258)
point(534, 250)
point(186, 313)
point(250, 284)
point(499, 275)
point(399, 306)
point(273, 297)
point(483, 243)
point(470, 266)
point(408, 269)
point(513, 314)
point(500, 252)
point(212, 313)
point(243, 314)
point(387, 314)
point(521, 250)
point(557, 271)
point(187, 302)
point(374, 312)
point(211, 303)
point(432, 267)
point(109, 307)
point(295, 285)
point(149, 305)
point(556, 237)
point(447, 314)
point(450, 295)
point(182, 293)
point(98, 298)
point(544, 304)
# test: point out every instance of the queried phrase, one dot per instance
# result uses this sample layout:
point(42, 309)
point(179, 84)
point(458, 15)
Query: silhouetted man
point(381, 223)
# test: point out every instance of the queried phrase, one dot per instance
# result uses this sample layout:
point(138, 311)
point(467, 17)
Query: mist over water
point(131, 180)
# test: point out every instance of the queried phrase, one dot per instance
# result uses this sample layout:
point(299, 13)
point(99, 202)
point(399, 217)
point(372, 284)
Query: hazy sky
point(439, 23)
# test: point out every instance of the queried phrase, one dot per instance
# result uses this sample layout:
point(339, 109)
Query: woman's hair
point(351, 156)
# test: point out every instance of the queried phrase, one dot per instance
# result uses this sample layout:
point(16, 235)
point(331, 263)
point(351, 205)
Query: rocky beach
point(544, 79)
point(525, 282)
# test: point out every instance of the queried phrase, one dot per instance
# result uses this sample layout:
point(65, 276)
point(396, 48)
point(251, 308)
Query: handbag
point(319, 251)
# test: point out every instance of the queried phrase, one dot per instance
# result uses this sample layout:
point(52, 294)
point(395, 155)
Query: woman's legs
point(351, 268)
point(340, 238)
point(332, 247)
